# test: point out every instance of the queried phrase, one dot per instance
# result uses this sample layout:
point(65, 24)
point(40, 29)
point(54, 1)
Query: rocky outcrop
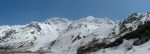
point(142, 33)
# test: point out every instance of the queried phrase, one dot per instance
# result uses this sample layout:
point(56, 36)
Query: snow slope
point(31, 36)
point(81, 32)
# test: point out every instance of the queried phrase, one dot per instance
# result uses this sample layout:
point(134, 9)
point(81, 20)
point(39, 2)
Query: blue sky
point(24, 11)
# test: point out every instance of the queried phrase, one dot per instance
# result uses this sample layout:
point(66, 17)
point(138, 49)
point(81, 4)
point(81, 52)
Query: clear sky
point(24, 11)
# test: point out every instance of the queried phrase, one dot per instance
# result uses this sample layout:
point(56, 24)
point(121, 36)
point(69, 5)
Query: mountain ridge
point(62, 36)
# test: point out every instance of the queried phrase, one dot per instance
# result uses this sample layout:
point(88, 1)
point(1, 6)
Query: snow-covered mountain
point(88, 35)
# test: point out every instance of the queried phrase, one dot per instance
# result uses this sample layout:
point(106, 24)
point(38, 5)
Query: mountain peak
point(90, 18)
point(133, 21)
point(57, 20)
point(138, 17)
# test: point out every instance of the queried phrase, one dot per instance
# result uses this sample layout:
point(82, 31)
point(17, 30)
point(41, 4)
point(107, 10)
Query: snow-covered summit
point(133, 21)
point(57, 20)
point(91, 19)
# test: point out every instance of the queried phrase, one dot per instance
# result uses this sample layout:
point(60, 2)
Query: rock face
point(88, 35)
point(141, 33)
